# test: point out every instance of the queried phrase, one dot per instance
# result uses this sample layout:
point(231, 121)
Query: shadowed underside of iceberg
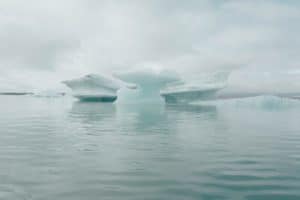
point(94, 87)
point(203, 88)
point(186, 95)
point(96, 98)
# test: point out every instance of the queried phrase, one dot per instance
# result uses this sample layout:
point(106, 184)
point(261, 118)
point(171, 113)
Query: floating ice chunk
point(204, 88)
point(95, 87)
point(186, 93)
point(149, 82)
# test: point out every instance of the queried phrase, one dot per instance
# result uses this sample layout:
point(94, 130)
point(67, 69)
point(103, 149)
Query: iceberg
point(196, 90)
point(153, 85)
point(186, 93)
point(96, 87)
point(149, 82)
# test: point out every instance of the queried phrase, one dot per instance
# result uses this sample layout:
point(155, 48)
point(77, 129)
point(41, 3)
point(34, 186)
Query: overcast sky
point(44, 42)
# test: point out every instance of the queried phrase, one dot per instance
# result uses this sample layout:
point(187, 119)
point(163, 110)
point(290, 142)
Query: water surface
point(66, 150)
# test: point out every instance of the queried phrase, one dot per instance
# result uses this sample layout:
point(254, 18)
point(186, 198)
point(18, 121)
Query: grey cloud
point(32, 36)
point(70, 38)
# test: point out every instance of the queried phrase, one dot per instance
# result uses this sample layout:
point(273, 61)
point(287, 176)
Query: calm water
point(65, 150)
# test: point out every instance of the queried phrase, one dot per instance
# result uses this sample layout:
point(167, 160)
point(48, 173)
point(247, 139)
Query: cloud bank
point(44, 42)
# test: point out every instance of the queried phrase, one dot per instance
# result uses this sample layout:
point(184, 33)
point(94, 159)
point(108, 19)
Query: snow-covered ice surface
point(96, 87)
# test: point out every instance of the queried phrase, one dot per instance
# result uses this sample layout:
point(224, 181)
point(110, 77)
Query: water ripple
point(71, 150)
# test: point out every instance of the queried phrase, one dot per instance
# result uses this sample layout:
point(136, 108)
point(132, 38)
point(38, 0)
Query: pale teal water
point(64, 150)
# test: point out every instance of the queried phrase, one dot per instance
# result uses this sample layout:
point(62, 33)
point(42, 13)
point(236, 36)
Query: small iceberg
point(199, 89)
point(96, 87)
point(186, 93)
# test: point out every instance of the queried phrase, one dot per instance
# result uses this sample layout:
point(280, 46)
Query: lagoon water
point(58, 148)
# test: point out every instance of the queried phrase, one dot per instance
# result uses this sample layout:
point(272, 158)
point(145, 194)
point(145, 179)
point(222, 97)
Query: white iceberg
point(149, 82)
point(201, 89)
point(96, 87)
point(186, 93)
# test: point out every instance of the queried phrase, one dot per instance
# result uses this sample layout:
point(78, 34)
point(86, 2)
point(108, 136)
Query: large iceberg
point(149, 82)
point(151, 85)
point(96, 87)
